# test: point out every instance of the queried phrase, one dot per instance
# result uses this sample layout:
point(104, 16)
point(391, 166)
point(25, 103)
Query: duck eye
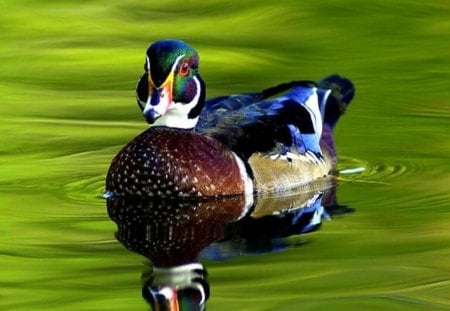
point(184, 69)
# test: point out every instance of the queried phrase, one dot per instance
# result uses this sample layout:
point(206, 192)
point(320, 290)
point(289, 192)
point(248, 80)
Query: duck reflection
point(173, 234)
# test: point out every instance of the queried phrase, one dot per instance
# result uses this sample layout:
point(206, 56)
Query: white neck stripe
point(177, 115)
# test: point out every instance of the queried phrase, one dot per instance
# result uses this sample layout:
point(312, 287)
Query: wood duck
point(242, 144)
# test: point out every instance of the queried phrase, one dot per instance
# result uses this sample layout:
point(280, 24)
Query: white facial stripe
point(175, 64)
point(148, 63)
point(177, 115)
point(199, 90)
point(164, 104)
point(160, 108)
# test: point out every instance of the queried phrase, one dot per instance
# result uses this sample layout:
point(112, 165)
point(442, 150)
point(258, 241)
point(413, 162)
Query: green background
point(67, 76)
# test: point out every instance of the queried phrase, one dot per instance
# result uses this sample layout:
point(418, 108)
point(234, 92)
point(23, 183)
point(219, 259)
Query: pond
point(67, 78)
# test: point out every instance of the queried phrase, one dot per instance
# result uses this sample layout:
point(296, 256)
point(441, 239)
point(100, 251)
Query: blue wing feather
point(218, 107)
point(246, 124)
point(292, 122)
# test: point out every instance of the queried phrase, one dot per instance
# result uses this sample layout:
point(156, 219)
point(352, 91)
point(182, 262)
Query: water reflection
point(173, 234)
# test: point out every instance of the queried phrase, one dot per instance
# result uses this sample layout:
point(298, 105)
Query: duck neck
point(185, 115)
point(177, 117)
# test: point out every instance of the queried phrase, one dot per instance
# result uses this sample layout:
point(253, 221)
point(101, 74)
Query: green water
point(67, 77)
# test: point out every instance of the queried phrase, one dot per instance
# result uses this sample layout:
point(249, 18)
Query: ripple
point(85, 189)
point(358, 170)
point(87, 184)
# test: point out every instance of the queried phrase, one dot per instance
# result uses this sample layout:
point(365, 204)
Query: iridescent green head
point(171, 91)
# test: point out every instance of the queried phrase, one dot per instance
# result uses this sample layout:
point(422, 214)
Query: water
point(67, 78)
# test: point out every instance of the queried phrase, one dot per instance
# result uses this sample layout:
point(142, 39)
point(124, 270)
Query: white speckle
point(195, 180)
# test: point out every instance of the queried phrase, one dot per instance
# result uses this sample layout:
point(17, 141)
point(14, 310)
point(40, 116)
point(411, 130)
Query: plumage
point(229, 145)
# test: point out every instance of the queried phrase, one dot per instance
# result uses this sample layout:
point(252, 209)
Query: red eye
point(184, 69)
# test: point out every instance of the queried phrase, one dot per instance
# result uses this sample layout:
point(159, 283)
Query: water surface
point(67, 78)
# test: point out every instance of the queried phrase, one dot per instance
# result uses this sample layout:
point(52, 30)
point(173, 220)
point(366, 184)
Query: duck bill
point(159, 100)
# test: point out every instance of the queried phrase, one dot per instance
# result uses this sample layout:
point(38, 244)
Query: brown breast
point(167, 162)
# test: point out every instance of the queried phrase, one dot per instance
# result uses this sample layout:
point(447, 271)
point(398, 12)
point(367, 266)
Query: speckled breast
point(167, 162)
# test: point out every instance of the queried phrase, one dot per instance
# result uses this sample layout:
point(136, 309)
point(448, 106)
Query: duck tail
point(335, 94)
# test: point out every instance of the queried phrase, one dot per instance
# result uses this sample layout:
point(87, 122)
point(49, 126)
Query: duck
point(269, 141)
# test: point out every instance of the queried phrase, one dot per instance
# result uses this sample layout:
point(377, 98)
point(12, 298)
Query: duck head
point(171, 91)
